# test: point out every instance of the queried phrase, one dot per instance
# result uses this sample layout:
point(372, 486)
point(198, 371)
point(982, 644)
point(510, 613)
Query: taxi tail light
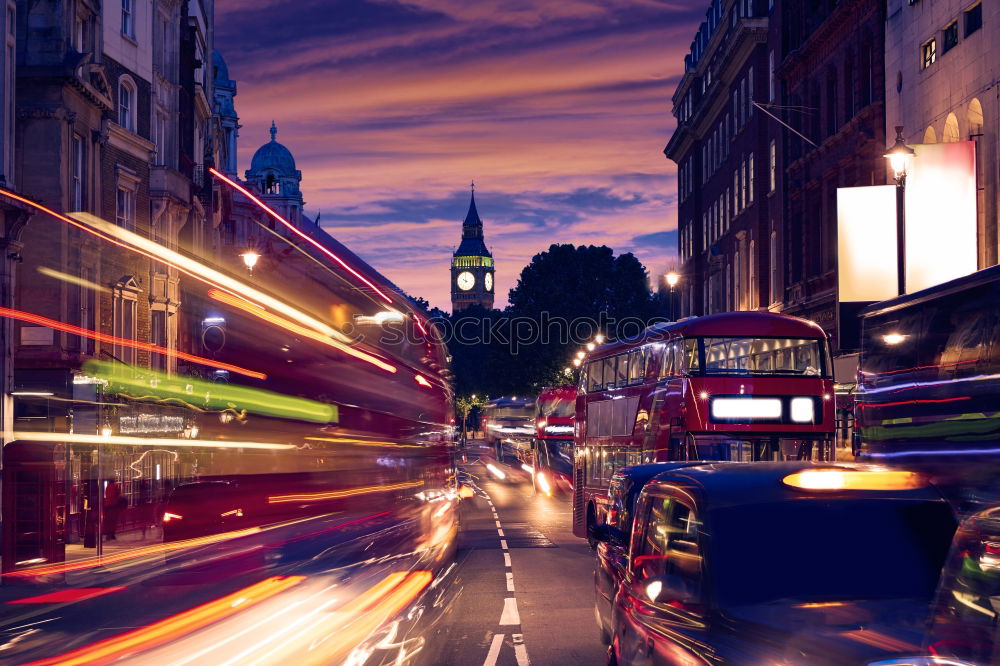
point(167, 517)
point(847, 479)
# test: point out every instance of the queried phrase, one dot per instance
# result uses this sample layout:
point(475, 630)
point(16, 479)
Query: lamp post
point(672, 279)
point(899, 156)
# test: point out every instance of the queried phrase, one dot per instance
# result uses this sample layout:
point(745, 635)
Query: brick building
point(780, 104)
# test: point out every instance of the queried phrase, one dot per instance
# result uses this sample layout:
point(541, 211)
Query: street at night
point(506, 332)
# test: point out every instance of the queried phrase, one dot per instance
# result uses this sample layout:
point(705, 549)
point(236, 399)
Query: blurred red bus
point(555, 412)
point(509, 424)
point(739, 386)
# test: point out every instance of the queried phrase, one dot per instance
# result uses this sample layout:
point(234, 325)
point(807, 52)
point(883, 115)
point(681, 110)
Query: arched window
point(930, 136)
point(975, 117)
point(951, 133)
point(126, 103)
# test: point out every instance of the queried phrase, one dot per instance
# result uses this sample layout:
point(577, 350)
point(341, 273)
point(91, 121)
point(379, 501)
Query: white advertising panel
point(866, 243)
point(940, 214)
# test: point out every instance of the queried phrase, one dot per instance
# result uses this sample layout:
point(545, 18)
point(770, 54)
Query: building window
point(973, 19)
point(128, 18)
point(773, 261)
point(750, 179)
point(125, 207)
point(929, 53)
point(772, 167)
point(752, 266)
point(78, 171)
point(88, 305)
point(126, 105)
point(949, 37)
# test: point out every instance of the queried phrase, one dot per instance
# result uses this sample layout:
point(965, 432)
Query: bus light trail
point(174, 627)
point(125, 342)
point(319, 246)
point(77, 438)
point(124, 556)
point(336, 494)
point(132, 242)
point(292, 327)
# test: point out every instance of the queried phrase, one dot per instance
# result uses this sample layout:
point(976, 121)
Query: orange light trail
point(422, 381)
point(124, 556)
point(125, 342)
point(348, 492)
point(292, 327)
point(174, 627)
point(319, 246)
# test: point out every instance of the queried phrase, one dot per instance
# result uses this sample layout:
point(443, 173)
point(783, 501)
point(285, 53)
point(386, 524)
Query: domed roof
point(219, 65)
point(273, 155)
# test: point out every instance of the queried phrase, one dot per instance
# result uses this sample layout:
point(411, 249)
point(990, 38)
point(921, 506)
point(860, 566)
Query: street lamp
point(899, 156)
point(250, 258)
point(672, 280)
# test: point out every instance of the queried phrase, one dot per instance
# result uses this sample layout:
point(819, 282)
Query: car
point(964, 622)
point(611, 538)
point(790, 563)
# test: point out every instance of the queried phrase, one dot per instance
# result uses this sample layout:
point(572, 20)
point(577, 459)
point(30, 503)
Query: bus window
point(667, 365)
point(621, 370)
point(764, 356)
point(636, 366)
point(594, 373)
point(691, 364)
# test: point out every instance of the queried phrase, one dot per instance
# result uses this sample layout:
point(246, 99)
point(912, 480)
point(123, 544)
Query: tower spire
point(274, 131)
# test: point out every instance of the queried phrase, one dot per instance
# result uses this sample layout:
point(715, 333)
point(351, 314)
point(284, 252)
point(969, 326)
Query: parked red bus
point(555, 411)
point(739, 386)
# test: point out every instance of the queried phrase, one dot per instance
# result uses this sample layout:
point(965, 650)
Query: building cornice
point(131, 143)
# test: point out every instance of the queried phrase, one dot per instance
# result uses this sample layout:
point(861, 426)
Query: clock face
point(465, 280)
point(488, 280)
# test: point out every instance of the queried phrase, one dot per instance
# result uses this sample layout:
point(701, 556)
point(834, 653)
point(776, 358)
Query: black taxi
point(787, 563)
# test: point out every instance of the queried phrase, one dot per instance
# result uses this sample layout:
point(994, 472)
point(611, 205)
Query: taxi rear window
point(829, 550)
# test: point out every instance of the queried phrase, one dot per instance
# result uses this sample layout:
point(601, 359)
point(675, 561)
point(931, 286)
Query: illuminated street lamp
point(577, 362)
point(899, 156)
point(591, 346)
point(599, 339)
point(250, 258)
point(672, 279)
point(581, 354)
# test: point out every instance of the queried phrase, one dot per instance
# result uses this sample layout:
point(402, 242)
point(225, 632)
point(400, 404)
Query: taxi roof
point(734, 483)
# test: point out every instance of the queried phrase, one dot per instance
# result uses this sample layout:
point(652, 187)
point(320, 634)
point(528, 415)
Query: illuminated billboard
point(941, 226)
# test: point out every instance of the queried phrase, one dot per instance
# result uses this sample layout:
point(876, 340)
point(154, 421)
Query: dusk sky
point(558, 109)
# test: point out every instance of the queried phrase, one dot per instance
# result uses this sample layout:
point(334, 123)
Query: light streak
point(78, 438)
point(319, 246)
point(210, 395)
point(205, 273)
point(68, 596)
point(72, 279)
point(125, 342)
point(422, 381)
point(347, 492)
point(175, 626)
point(292, 327)
point(124, 556)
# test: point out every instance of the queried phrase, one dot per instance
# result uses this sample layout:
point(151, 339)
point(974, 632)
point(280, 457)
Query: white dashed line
point(510, 582)
point(491, 656)
point(500, 532)
point(509, 615)
point(520, 650)
point(503, 543)
point(506, 559)
point(498, 524)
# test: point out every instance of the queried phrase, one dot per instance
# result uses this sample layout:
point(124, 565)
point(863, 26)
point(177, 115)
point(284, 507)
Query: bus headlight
point(803, 410)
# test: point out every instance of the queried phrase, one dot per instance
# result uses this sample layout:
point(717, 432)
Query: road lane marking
point(510, 582)
point(498, 524)
point(509, 616)
point(503, 543)
point(500, 531)
point(520, 650)
point(491, 656)
point(506, 559)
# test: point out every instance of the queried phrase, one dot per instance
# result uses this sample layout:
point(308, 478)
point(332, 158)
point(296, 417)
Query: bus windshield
point(558, 407)
point(787, 357)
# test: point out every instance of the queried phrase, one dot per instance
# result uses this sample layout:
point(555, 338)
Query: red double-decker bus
point(741, 386)
point(555, 411)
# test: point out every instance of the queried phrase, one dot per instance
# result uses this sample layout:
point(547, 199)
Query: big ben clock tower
point(472, 265)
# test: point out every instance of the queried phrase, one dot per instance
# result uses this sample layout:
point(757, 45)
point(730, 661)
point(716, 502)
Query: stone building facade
point(942, 67)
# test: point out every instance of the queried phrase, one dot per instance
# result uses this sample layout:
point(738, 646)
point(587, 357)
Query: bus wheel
point(591, 524)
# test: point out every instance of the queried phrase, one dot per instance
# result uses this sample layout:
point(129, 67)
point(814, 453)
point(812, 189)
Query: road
point(524, 584)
